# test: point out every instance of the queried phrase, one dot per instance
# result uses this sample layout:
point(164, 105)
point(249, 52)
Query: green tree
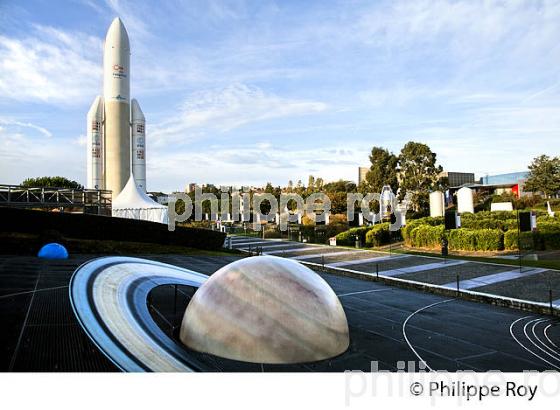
point(310, 185)
point(339, 186)
point(51, 182)
point(418, 173)
point(383, 170)
point(544, 176)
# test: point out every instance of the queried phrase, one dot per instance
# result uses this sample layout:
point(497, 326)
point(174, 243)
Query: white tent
point(133, 203)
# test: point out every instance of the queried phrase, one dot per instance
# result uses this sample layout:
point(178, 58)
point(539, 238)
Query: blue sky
point(239, 92)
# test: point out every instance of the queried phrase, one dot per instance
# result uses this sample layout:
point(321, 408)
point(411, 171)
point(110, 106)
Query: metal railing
point(88, 200)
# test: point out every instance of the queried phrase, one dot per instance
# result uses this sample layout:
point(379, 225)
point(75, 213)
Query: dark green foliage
point(544, 175)
point(427, 236)
point(378, 235)
point(322, 233)
point(348, 238)
point(486, 231)
point(51, 182)
point(383, 170)
point(406, 230)
point(84, 226)
point(476, 239)
point(419, 173)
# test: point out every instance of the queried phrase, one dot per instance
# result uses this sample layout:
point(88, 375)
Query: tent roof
point(133, 198)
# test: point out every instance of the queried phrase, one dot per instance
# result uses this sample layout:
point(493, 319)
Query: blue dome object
point(53, 251)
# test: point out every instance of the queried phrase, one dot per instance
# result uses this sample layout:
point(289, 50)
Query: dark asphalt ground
point(42, 334)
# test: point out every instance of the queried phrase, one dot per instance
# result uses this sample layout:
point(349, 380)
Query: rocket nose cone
point(137, 113)
point(117, 31)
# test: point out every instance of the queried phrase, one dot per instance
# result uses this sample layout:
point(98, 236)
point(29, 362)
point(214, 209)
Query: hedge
point(426, 236)
point(381, 235)
point(414, 223)
point(476, 239)
point(348, 238)
point(547, 237)
point(87, 226)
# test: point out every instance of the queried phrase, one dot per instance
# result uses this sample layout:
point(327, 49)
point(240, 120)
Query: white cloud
point(28, 150)
point(226, 109)
point(20, 125)
point(50, 66)
point(251, 165)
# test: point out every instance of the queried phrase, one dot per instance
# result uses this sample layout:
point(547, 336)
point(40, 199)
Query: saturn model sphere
point(266, 309)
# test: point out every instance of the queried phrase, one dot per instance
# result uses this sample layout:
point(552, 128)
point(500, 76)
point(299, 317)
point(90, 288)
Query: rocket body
point(116, 92)
point(116, 144)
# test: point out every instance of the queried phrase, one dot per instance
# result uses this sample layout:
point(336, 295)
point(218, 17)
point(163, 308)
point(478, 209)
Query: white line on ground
point(420, 268)
point(367, 260)
point(548, 338)
point(493, 278)
point(302, 249)
point(280, 245)
point(406, 338)
point(363, 291)
point(32, 291)
point(318, 255)
point(234, 244)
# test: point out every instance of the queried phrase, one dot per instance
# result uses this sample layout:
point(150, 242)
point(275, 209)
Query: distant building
point(191, 187)
point(511, 178)
point(512, 183)
point(362, 172)
point(457, 179)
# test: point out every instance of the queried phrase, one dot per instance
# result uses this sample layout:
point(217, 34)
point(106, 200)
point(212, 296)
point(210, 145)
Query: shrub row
point(545, 238)
point(489, 223)
point(476, 239)
point(414, 223)
point(86, 226)
point(426, 236)
point(376, 235)
point(348, 238)
point(381, 235)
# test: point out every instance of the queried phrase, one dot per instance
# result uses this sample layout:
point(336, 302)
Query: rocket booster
point(116, 91)
point(138, 154)
point(95, 149)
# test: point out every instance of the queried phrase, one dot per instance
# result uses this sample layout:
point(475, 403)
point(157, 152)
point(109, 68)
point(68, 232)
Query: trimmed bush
point(426, 236)
point(87, 226)
point(476, 239)
point(411, 225)
point(462, 239)
point(489, 240)
point(527, 240)
point(379, 235)
point(348, 238)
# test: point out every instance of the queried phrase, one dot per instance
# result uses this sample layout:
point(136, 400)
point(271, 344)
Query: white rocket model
point(116, 133)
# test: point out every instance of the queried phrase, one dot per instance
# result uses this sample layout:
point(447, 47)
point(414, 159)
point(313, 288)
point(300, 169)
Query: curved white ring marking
point(108, 296)
point(555, 355)
point(535, 321)
point(548, 338)
point(406, 338)
point(521, 344)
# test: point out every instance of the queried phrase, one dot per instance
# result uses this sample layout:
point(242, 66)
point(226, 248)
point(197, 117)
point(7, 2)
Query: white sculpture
point(549, 209)
point(465, 200)
point(436, 204)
